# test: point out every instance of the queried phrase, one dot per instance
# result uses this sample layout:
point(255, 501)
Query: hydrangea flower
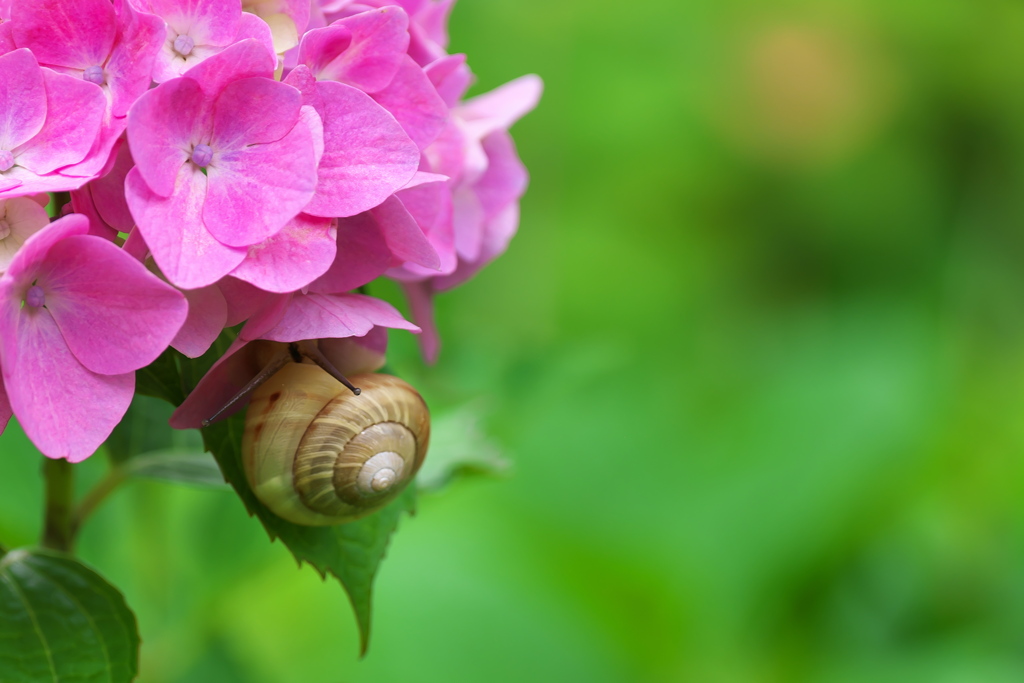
point(77, 317)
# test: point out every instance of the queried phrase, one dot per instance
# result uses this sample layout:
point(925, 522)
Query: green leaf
point(62, 622)
point(459, 448)
point(145, 429)
point(183, 465)
point(351, 552)
point(161, 378)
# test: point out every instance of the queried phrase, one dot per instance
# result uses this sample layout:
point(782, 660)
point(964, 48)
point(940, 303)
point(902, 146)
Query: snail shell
point(316, 454)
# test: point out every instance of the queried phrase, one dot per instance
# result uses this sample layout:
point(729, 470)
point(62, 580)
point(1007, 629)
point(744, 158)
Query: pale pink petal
point(207, 315)
point(66, 410)
point(316, 316)
point(163, 127)
point(22, 99)
point(364, 50)
point(503, 106)
point(173, 229)
point(505, 179)
point(102, 150)
point(431, 206)
point(414, 102)
point(20, 218)
point(268, 315)
point(20, 181)
point(362, 256)
point(69, 33)
point(292, 258)
point(367, 155)
point(207, 22)
point(255, 191)
point(36, 247)
point(252, 27)
point(114, 314)
point(468, 222)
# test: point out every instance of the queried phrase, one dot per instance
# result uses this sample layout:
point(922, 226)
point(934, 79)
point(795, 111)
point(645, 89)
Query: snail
point(318, 452)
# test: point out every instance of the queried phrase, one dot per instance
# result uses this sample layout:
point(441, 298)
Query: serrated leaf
point(459, 447)
point(351, 552)
point(182, 465)
point(62, 622)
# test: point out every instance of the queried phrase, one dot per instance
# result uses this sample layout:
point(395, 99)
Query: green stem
point(57, 528)
point(96, 496)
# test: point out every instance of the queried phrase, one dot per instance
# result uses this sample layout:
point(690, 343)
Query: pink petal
point(133, 57)
point(252, 27)
point(255, 191)
point(404, 237)
point(108, 192)
point(207, 22)
point(64, 408)
point(451, 77)
point(292, 258)
point(421, 303)
point(24, 218)
point(163, 126)
point(268, 315)
point(114, 314)
point(253, 110)
point(207, 314)
point(468, 222)
point(503, 106)
point(229, 374)
point(431, 206)
point(362, 256)
point(5, 407)
point(243, 299)
point(505, 179)
point(74, 112)
point(414, 102)
point(364, 50)
point(173, 228)
point(22, 99)
point(102, 150)
point(35, 249)
point(69, 33)
point(367, 155)
point(6, 37)
point(316, 316)
point(244, 59)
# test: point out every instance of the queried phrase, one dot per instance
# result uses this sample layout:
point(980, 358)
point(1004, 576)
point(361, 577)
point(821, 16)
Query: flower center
point(6, 160)
point(202, 155)
point(35, 297)
point(5, 229)
point(94, 74)
point(183, 45)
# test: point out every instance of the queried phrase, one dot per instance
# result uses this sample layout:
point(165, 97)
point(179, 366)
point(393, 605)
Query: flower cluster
point(219, 162)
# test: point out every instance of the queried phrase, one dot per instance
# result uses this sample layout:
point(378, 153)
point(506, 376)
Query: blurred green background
point(757, 355)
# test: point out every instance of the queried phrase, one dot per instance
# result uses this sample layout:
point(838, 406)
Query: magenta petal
point(244, 59)
point(403, 236)
point(173, 228)
point(22, 98)
point(363, 50)
point(114, 314)
point(64, 408)
point(208, 22)
point(207, 314)
point(315, 316)
point(36, 247)
point(268, 315)
point(363, 255)
point(413, 101)
point(244, 300)
point(255, 191)
point(292, 258)
point(69, 33)
point(253, 110)
point(451, 77)
point(367, 155)
point(163, 126)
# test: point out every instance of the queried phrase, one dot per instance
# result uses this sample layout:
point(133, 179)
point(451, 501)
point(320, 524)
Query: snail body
point(317, 454)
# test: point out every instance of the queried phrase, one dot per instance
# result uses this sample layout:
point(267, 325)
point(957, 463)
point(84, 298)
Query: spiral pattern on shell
point(317, 454)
